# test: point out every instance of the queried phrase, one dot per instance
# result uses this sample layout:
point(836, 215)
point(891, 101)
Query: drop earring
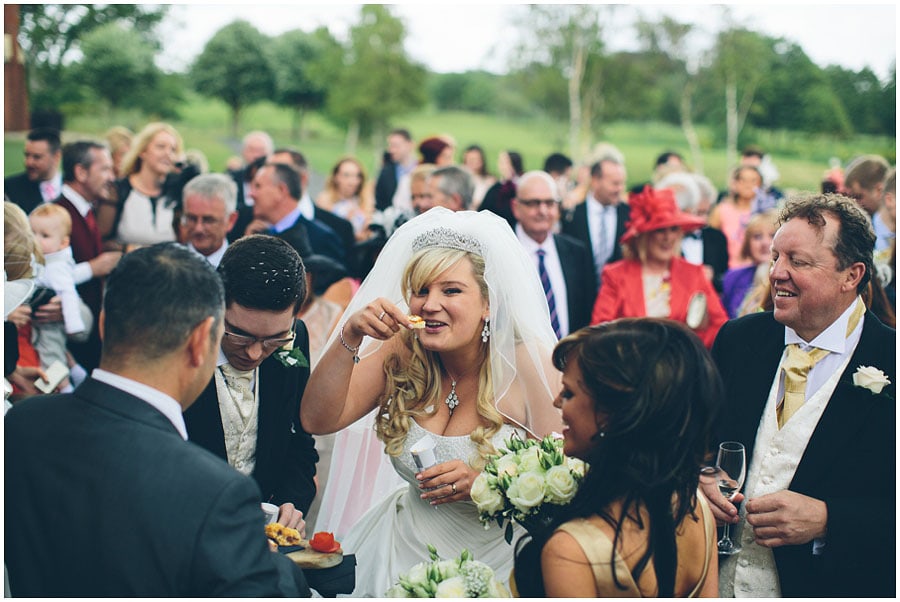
point(486, 331)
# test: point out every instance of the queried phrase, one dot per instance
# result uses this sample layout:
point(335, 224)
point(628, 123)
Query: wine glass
point(731, 467)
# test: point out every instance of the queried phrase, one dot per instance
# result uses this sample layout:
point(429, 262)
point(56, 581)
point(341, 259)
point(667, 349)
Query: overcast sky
point(464, 36)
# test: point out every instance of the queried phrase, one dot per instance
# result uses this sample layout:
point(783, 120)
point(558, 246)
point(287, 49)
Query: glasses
point(532, 203)
point(207, 220)
point(268, 343)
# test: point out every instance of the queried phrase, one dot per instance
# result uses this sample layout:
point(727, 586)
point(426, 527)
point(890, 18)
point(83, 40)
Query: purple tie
point(548, 292)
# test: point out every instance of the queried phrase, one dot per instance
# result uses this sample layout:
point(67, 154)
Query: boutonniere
point(871, 378)
point(291, 356)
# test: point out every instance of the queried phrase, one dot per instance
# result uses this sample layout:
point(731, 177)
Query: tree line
point(82, 55)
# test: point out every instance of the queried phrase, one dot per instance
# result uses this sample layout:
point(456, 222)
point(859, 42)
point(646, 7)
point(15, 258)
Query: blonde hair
point(19, 245)
point(755, 225)
point(52, 210)
point(118, 137)
point(131, 162)
point(413, 382)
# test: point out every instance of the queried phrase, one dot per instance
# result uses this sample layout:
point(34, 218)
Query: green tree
point(116, 67)
point(50, 36)
point(235, 67)
point(377, 80)
point(304, 64)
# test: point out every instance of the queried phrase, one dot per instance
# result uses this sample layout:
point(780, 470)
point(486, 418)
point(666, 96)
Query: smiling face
point(761, 245)
point(580, 418)
point(453, 308)
point(40, 163)
point(662, 245)
point(808, 290)
point(159, 155)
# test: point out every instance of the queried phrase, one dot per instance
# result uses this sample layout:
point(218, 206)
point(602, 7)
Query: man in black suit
point(249, 412)
point(821, 478)
point(41, 181)
point(276, 193)
point(399, 160)
point(104, 497)
point(599, 222)
point(328, 226)
point(567, 261)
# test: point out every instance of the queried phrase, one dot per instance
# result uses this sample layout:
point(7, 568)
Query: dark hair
point(660, 391)
point(263, 272)
point(557, 163)
point(663, 158)
point(402, 132)
point(289, 176)
point(515, 160)
point(154, 298)
point(855, 240)
point(324, 271)
point(48, 135)
point(297, 158)
point(78, 153)
point(253, 167)
point(477, 149)
point(753, 151)
point(597, 167)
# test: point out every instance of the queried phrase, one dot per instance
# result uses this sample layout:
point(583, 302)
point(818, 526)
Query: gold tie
point(798, 363)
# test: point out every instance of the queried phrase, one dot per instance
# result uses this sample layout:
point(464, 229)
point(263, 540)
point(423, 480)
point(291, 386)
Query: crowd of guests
point(271, 330)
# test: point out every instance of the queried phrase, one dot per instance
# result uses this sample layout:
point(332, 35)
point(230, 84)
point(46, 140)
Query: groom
point(821, 476)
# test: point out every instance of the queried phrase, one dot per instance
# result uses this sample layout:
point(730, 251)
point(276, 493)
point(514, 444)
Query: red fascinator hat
point(656, 209)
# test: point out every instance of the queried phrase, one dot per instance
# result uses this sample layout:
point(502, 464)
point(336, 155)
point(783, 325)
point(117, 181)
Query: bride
point(478, 371)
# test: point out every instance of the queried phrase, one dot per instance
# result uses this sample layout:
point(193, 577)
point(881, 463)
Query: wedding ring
point(380, 316)
point(453, 488)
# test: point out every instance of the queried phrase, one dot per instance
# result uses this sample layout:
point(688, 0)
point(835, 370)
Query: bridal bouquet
point(528, 482)
point(462, 577)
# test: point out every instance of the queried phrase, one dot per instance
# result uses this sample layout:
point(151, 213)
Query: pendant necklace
point(452, 400)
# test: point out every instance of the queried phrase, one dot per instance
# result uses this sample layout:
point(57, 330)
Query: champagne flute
point(731, 467)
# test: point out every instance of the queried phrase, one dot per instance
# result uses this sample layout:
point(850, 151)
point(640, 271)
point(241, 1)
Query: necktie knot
point(796, 366)
point(237, 378)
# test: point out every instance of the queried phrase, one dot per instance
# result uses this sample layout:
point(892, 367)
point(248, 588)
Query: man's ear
point(198, 341)
point(230, 221)
point(854, 275)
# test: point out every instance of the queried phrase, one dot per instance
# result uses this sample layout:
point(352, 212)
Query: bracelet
point(352, 350)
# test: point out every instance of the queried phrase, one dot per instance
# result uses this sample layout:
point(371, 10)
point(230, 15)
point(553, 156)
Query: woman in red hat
point(653, 280)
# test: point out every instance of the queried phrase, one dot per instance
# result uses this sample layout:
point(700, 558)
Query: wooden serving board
point(307, 558)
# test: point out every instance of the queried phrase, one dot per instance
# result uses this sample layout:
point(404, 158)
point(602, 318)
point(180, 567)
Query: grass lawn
point(802, 159)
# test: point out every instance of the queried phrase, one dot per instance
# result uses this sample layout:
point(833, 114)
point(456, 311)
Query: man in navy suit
point(599, 221)
point(41, 181)
point(819, 517)
point(254, 422)
point(104, 497)
point(567, 261)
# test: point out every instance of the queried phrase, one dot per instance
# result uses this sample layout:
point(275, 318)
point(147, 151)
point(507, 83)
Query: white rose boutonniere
point(871, 378)
point(291, 356)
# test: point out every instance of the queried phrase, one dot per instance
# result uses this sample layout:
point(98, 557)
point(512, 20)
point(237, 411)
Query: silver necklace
point(452, 400)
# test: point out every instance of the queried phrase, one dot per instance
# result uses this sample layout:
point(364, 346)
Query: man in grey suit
point(104, 495)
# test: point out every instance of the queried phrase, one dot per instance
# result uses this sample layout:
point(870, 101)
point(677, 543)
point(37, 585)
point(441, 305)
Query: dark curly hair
point(659, 389)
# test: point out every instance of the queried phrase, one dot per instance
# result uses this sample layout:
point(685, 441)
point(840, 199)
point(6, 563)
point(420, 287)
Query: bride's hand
point(449, 482)
point(380, 320)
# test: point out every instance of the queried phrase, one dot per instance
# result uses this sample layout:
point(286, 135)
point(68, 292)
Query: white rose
point(397, 591)
point(486, 499)
point(497, 590)
point(527, 491)
point(455, 587)
point(576, 466)
point(448, 568)
point(507, 465)
point(529, 459)
point(871, 378)
point(560, 484)
point(418, 574)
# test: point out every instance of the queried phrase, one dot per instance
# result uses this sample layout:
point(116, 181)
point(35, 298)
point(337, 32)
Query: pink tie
point(48, 191)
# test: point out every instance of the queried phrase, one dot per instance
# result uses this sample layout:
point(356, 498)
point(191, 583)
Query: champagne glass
point(731, 467)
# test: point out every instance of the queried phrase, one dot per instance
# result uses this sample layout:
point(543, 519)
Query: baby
point(52, 226)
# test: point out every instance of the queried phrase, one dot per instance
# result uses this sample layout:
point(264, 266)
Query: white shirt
point(597, 214)
point(54, 186)
point(166, 405)
point(213, 258)
point(307, 207)
point(692, 248)
point(82, 272)
point(554, 272)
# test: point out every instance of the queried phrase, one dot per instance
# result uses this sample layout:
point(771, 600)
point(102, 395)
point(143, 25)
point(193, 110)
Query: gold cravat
point(796, 366)
point(239, 384)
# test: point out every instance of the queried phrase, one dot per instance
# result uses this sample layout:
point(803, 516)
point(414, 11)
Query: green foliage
point(50, 36)
point(473, 91)
point(235, 67)
point(376, 81)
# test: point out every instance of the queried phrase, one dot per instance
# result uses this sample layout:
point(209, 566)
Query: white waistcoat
point(751, 572)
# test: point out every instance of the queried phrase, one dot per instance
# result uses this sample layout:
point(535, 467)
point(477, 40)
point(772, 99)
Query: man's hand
point(723, 510)
point(289, 516)
point(257, 226)
point(20, 316)
point(24, 376)
point(786, 518)
point(50, 311)
point(103, 264)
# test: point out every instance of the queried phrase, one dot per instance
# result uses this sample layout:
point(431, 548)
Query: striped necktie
point(548, 292)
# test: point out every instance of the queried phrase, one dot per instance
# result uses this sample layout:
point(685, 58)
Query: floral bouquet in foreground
point(462, 577)
point(528, 482)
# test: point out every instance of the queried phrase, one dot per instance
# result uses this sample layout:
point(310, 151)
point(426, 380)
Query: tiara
point(447, 238)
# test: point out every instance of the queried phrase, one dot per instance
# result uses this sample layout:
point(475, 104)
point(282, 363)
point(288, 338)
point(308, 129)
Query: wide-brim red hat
point(654, 210)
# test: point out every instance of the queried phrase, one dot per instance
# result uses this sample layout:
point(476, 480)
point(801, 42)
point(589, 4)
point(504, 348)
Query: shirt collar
point(531, 245)
point(288, 220)
point(307, 208)
point(213, 258)
point(833, 338)
point(166, 405)
point(81, 204)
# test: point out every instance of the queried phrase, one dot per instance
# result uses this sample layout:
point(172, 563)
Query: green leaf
point(509, 533)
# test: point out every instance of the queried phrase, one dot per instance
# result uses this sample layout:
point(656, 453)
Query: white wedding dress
point(394, 534)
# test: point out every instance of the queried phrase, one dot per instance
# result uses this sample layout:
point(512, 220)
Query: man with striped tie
point(564, 263)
